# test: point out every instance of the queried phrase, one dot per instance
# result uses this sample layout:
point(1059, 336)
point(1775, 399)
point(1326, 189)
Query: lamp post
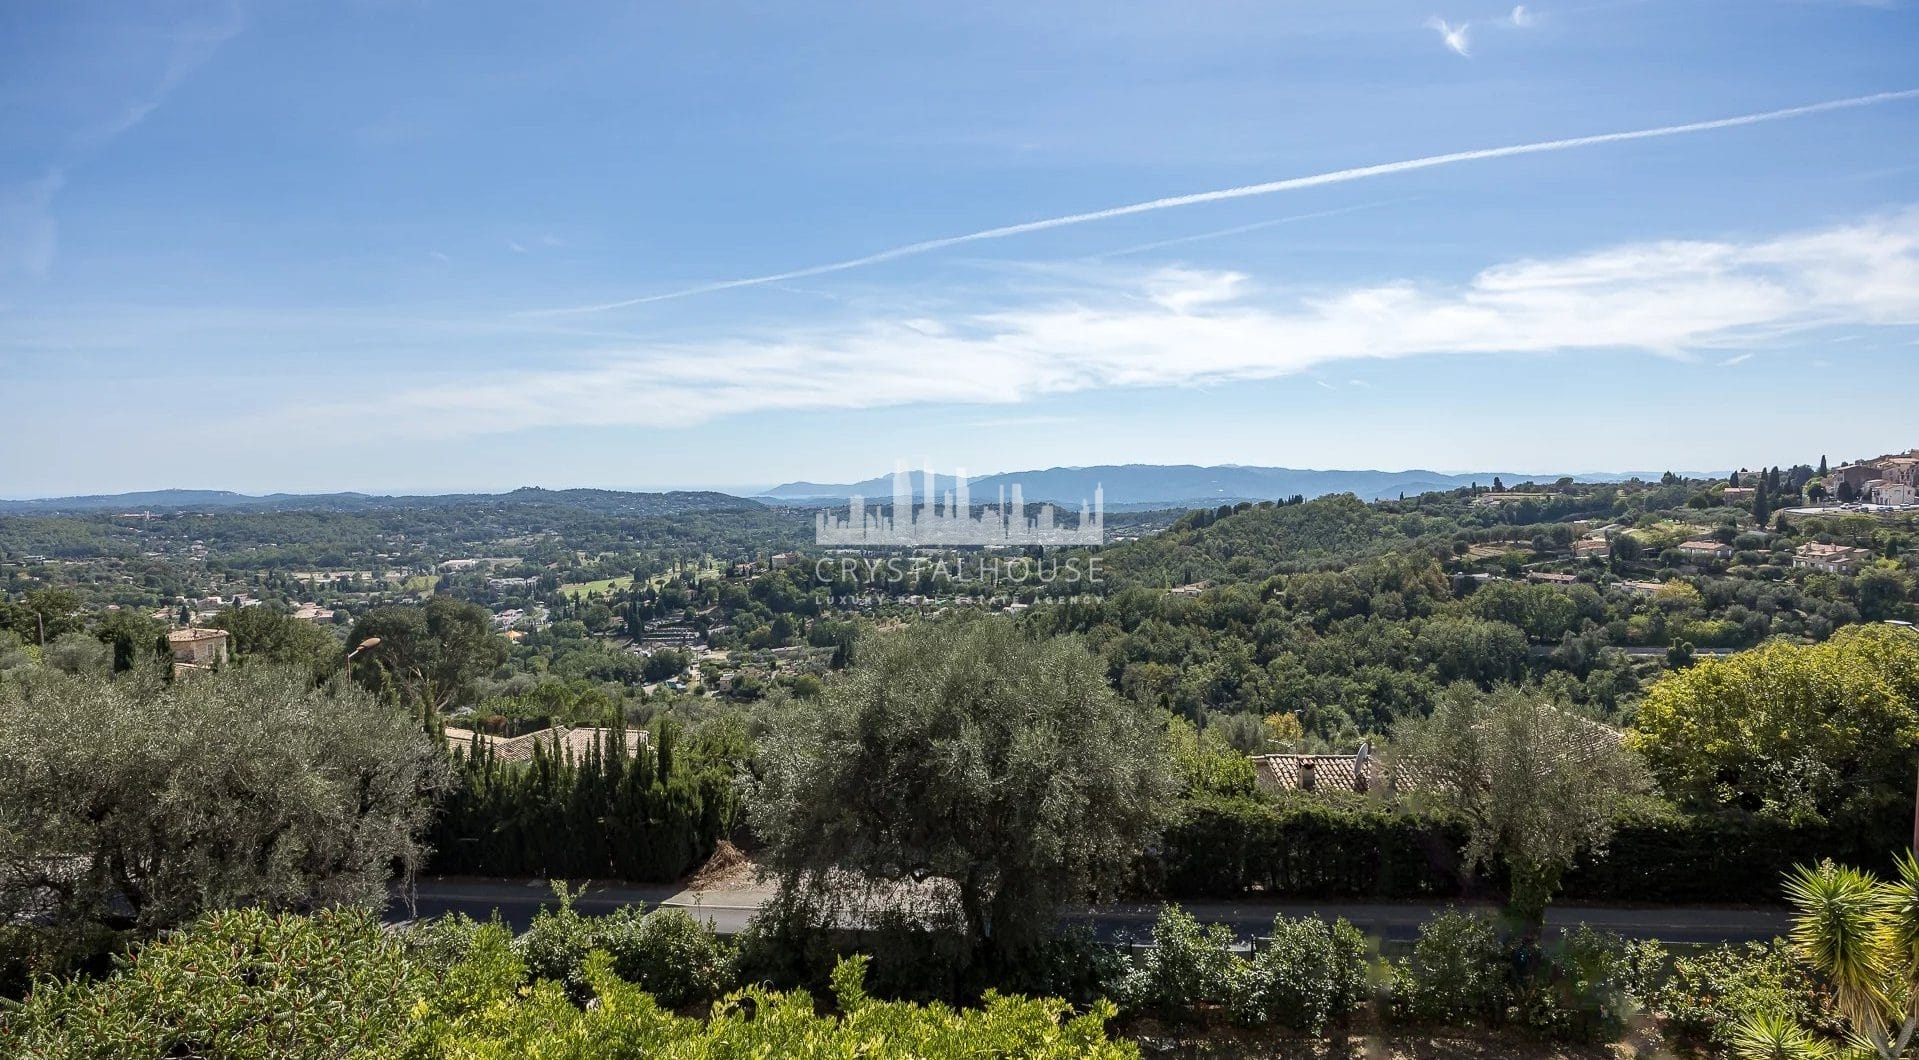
point(370, 642)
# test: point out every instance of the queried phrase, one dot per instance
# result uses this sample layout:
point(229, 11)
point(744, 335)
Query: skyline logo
point(949, 519)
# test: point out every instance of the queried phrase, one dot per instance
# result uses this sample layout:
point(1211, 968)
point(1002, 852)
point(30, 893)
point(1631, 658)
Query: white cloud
point(1452, 36)
point(1522, 18)
point(1272, 187)
point(1185, 327)
point(516, 246)
point(1741, 358)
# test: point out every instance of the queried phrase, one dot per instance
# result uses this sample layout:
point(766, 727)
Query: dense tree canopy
point(430, 654)
point(134, 804)
point(263, 635)
point(1000, 770)
point(1786, 729)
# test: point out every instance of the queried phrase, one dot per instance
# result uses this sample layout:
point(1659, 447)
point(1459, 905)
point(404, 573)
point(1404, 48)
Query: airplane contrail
point(1337, 176)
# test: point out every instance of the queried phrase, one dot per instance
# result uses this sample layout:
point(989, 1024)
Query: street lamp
point(370, 642)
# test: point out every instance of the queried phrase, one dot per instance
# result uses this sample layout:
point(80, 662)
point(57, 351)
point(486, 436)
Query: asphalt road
point(728, 911)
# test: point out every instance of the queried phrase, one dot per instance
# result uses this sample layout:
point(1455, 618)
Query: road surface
point(728, 911)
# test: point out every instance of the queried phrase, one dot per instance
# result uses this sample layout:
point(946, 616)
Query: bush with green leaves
point(1706, 995)
point(557, 941)
point(237, 985)
point(1456, 975)
point(251, 985)
point(666, 952)
point(503, 1022)
point(1584, 987)
point(1188, 967)
point(445, 941)
point(1307, 974)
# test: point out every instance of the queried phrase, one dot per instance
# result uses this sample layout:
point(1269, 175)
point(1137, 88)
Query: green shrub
point(1706, 995)
point(556, 943)
point(1308, 974)
point(444, 941)
point(236, 985)
point(627, 1024)
point(1074, 966)
point(1457, 974)
point(1187, 967)
point(668, 954)
point(1584, 987)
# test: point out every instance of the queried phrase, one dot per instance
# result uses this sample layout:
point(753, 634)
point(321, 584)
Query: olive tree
point(427, 655)
point(133, 804)
point(965, 773)
point(1535, 783)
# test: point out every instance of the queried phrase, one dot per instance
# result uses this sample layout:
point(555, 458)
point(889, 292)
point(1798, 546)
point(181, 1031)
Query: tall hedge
point(1219, 848)
point(1331, 847)
point(641, 817)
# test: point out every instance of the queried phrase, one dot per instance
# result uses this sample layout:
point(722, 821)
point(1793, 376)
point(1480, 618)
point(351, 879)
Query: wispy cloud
point(1221, 233)
point(29, 229)
point(27, 226)
point(1523, 17)
point(1740, 358)
point(1452, 36)
point(1338, 176)
point(1182, 327)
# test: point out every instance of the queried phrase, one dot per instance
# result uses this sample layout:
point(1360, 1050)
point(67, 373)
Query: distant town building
point(1706, 549)
point(1833, 559)
point(1901, 469)
point(1592, 548)
point(1891, 493)
point(197, 649)
point(560, 741)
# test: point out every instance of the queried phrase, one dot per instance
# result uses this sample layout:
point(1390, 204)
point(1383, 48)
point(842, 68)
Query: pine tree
point(1823, 472)
point(1762, 501)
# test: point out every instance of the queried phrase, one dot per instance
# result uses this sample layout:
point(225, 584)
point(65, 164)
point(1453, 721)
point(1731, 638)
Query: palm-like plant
point(1863, 934)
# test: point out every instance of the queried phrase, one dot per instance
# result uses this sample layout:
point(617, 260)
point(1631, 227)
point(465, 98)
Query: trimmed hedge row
point(1220, 848)
point(1727, 858)
point(1335, 847)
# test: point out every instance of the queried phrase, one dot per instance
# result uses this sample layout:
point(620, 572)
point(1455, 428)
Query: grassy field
point(602, 586)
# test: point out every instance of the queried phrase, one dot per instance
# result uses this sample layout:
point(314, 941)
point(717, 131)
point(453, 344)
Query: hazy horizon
point(393, 245)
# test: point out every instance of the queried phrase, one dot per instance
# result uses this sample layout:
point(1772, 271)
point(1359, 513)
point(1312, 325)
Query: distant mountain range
point(610, 502)
point(1133, 486)
point(1128, 487)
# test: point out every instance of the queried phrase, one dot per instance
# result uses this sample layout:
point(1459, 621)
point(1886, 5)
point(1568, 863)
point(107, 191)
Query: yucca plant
point(1863, 934)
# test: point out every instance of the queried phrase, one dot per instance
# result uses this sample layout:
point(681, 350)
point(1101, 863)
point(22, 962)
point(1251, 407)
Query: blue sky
point(440, 246)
